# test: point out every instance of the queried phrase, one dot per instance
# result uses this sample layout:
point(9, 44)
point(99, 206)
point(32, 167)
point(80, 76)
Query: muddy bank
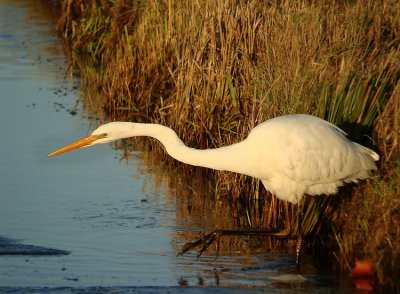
point(12, 247)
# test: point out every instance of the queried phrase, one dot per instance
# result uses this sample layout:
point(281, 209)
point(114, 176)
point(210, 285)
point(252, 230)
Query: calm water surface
point(117, 218)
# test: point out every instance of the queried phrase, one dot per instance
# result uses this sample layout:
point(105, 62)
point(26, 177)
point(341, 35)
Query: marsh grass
point(374, 231)
point(212, 70)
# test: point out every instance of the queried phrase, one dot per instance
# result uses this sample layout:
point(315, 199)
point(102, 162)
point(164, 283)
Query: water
point(121, 219)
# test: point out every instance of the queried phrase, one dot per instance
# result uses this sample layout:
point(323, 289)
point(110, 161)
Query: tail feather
point(370, 153)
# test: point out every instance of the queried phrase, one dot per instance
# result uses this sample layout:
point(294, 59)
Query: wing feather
point(305, 154)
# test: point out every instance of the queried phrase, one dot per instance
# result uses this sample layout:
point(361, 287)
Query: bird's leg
point(206, 241)
point(299, 242)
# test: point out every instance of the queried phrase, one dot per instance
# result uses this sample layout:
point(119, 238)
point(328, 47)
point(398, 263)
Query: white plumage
point(309, 156)
point(293, 155)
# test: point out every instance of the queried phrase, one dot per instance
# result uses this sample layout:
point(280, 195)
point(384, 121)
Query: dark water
point(89, 221)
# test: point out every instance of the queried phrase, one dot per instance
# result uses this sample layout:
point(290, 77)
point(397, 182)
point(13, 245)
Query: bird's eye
point(102, 136)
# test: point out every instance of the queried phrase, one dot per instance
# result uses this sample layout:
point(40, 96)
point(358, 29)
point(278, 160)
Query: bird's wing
point(324, 156)
point(309, 150)
point(301, 154)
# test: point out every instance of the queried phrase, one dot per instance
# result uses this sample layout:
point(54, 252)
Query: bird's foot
point(204, 242)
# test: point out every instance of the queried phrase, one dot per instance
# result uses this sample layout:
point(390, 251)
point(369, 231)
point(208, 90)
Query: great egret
point(292, 155)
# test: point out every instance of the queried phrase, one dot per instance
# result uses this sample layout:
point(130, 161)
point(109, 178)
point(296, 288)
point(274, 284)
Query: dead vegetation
point(211, 70)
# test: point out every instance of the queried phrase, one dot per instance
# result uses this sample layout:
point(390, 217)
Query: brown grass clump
point(212, 70)
point(373, 232)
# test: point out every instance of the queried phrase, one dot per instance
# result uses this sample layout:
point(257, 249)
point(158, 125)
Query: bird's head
point(104, 134)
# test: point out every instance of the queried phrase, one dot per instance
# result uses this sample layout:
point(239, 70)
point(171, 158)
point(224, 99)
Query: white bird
point(292, 155)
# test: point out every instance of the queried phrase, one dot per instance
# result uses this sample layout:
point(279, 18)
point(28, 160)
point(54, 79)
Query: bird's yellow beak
point(75, 145)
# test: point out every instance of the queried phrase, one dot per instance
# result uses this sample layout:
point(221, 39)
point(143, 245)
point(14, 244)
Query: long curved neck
point(229, 158)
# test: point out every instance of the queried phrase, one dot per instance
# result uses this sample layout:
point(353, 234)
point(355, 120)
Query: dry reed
point(211, 70)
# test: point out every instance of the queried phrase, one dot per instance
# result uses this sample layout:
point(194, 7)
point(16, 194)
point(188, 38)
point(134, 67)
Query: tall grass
point(212, 70)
